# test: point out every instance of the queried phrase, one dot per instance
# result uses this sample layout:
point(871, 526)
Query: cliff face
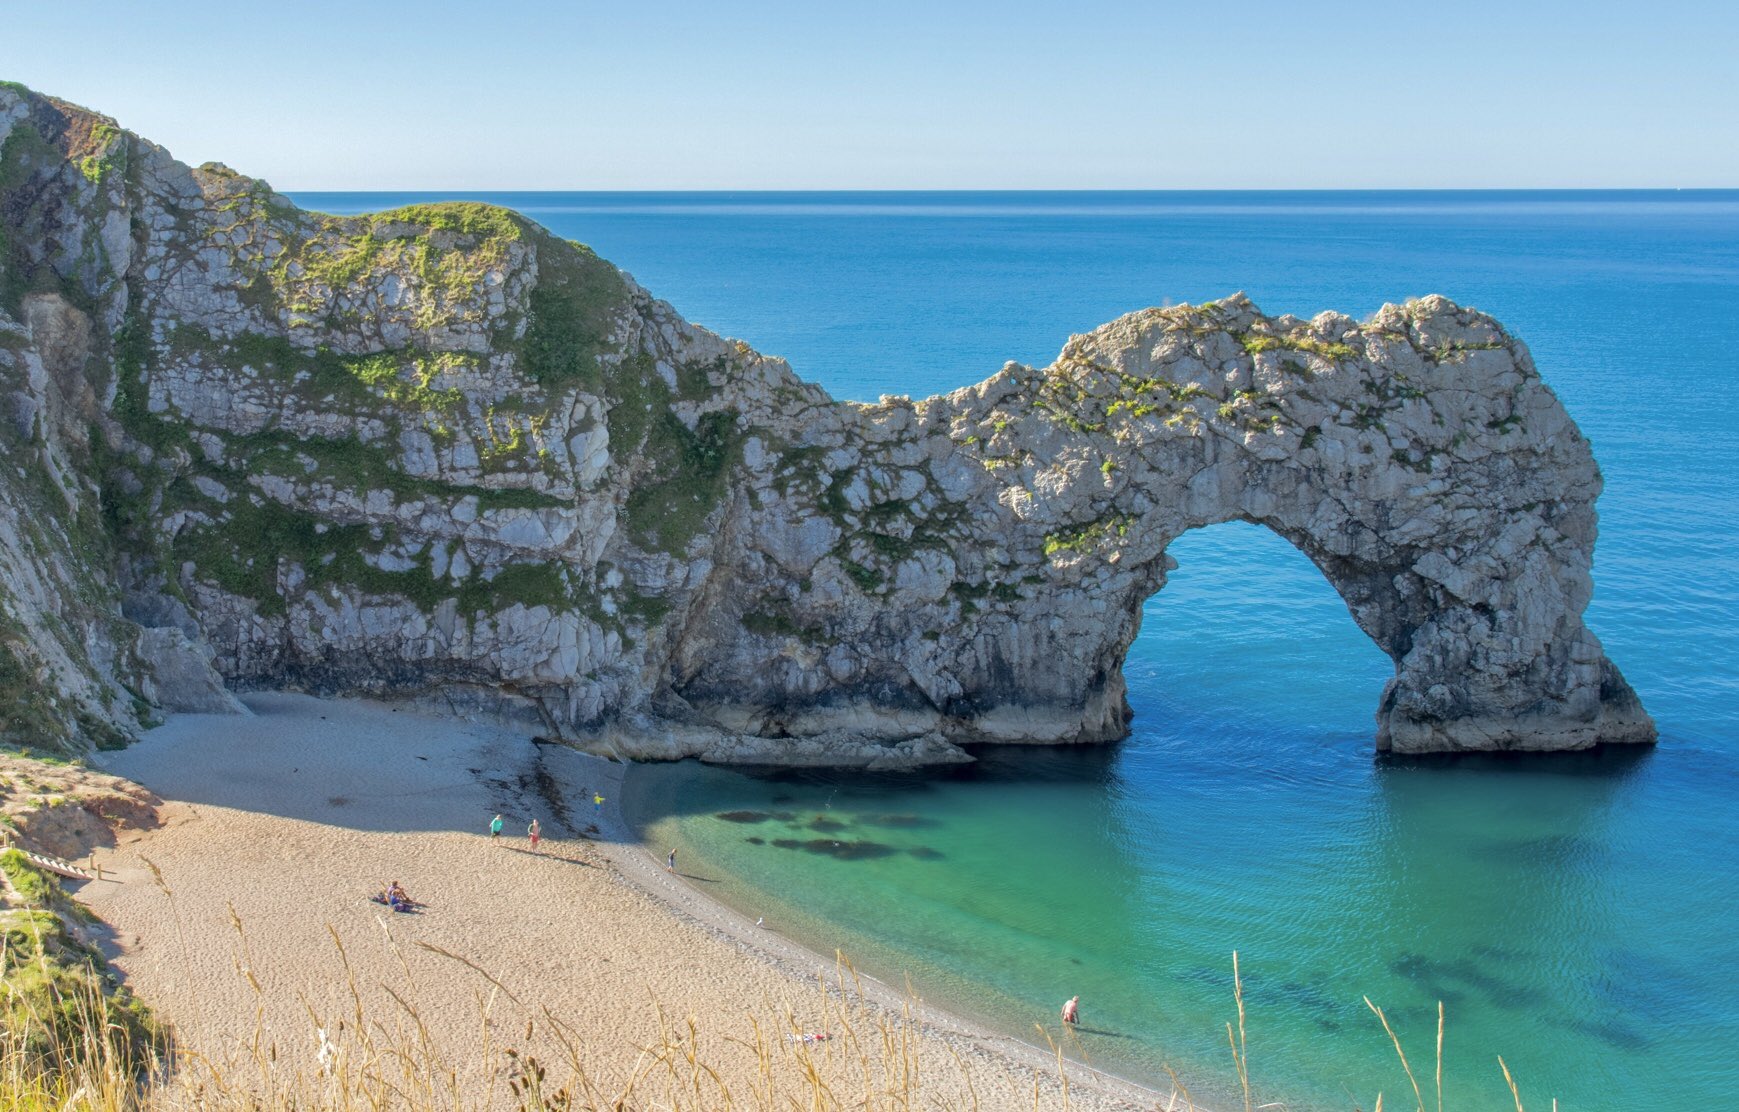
point(439, 451)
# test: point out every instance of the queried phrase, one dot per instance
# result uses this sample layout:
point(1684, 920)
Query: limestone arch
point(1417, 460)
point(974, 565)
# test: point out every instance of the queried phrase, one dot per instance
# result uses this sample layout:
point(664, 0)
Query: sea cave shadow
point(1604, 761)
point(818, 789)
point(369, 767)
point(1410, 787)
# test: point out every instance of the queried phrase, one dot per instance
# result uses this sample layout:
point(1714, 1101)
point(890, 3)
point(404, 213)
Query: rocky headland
point(439, 452)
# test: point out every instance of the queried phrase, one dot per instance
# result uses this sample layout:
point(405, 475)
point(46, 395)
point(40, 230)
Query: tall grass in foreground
point(73, 1044)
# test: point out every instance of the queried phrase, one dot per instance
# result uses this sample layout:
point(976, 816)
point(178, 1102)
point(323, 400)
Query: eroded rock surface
point(440, 452)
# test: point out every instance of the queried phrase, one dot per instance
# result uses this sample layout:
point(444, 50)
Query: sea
point(1575, 916)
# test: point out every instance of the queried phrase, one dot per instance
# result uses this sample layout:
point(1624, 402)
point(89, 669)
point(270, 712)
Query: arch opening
point(1245, 626)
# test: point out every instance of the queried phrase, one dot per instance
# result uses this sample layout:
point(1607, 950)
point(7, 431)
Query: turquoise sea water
point(1574, 914)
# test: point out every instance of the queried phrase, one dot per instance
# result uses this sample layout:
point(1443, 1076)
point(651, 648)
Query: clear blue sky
point(526, 94)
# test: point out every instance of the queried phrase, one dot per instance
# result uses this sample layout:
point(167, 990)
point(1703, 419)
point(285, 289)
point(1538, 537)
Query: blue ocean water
point(1574, 915)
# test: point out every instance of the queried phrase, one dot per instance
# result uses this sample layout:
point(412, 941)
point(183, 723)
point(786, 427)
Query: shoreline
point(642, 867)
point(272, 823)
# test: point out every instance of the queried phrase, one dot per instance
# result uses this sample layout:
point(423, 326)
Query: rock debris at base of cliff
point(440, 453)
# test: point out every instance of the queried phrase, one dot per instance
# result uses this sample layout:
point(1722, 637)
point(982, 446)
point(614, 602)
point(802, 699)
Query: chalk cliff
point(441, 452)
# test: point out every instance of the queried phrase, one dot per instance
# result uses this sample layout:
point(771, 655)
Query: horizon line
point(1036, 190)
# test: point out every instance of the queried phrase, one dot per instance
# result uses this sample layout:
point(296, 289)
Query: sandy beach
point(244, 920)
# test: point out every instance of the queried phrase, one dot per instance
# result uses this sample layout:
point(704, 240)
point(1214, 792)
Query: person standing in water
point(597, 804)
point(1072, 1010)
point(534, 832)
point(495, 827)
point(670, 862)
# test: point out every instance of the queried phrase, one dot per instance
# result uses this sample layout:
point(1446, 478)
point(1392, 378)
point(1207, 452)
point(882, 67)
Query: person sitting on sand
point(397, 898)
point(1072, 1010)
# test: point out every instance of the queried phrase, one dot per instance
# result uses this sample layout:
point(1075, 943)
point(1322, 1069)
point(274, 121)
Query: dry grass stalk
point(1240, 1052)
point(1411, 1080)
point(1511, 1082)
point(1440, 1056)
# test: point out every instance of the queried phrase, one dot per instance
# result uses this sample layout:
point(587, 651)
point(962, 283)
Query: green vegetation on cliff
point(24, 155)
point(253, 543)
point(685, 469)
point(29, 714)
point(571, 313)
point(62, 1008)
point(690, 469)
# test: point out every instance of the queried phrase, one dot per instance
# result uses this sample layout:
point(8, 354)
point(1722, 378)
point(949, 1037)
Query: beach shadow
point(1083, 1029)
point(702, 879)
point(353, 764)
point(414, 909)
point(98, 932)
point(547, 856)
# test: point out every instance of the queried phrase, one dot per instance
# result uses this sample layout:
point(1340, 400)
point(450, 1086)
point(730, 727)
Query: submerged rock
point(844, 851)
point(440, 453)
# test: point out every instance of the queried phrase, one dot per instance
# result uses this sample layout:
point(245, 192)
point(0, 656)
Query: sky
point(897, 94)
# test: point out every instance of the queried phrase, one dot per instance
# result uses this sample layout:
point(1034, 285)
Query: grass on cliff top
point(31, 202)
point(572, 314)
point(328, 254)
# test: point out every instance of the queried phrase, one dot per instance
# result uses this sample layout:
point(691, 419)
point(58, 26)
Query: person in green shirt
point(495, 827)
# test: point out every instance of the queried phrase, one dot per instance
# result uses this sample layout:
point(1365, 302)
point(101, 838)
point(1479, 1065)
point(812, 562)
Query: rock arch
point(998, 543)
point(441, 452)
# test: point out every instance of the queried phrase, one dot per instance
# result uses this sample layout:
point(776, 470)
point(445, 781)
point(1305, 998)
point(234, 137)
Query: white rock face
point(440, 453)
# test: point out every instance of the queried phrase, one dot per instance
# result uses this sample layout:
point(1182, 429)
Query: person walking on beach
point(1072, 1010)
point(670, 862)
point(495, 827)
point(534, 832)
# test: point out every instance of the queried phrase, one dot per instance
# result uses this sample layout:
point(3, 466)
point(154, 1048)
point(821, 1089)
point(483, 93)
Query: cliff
point(440, 452)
